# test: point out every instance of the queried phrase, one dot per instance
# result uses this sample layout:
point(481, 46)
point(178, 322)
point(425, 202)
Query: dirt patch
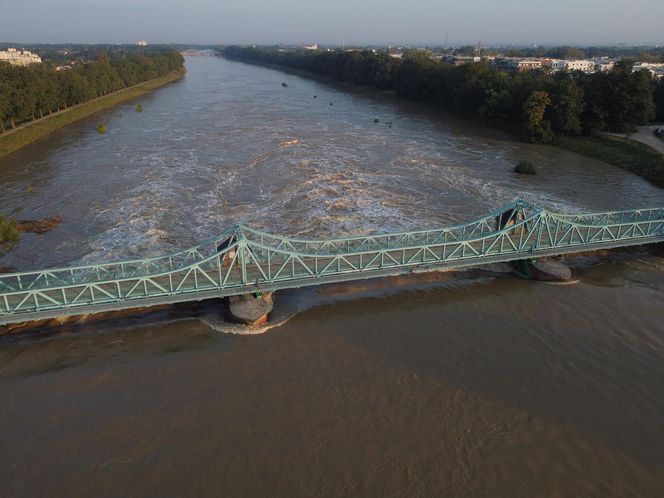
point(38, 226)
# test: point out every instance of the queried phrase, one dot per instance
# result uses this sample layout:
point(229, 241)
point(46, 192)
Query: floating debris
point(101, 129)
point(38, 226)
point(138, 108)
point(284, 84)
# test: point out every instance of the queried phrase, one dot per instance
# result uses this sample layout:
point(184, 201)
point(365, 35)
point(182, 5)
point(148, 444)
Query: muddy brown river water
point(470, 384)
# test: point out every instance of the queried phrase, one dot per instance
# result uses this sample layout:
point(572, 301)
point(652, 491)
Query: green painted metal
point(243, 260)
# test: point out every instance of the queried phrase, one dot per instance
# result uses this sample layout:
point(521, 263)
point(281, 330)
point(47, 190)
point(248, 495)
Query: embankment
point(13, 140)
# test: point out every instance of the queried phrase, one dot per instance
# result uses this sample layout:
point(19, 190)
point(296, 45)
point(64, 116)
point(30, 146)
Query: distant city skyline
point(375, 22)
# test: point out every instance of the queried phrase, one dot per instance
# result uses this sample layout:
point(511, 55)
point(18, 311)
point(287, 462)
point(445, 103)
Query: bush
point(8, 229)
point(525, 168)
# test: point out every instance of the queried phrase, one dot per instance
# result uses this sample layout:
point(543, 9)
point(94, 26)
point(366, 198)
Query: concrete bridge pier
point(544, 269)
point(250, 309)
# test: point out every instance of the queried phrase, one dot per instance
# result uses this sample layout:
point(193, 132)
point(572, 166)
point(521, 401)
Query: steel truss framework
point(243, 260)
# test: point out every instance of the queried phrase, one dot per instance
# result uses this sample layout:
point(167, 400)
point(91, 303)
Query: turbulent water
point(462, 384)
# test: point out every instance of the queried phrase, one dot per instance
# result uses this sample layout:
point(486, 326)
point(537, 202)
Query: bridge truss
point(242, 260)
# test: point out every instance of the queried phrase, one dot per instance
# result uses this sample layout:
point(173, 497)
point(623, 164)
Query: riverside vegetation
point(32, 92)
point(47, 99)
point(568, 109)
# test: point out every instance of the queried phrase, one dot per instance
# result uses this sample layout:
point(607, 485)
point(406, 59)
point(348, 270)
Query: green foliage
point(525, 168)
point(101, 128)
point(658, 97)
point(627, 154)
point(537, 128)
point(138, 108)
point(27, 93)
point(8, 231)
point(10, 142)
point(538, 104)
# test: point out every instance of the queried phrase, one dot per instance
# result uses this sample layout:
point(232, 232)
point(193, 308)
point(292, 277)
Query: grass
point(525, 168)
point(8, 230)
point(14, 140)
point(622, 152)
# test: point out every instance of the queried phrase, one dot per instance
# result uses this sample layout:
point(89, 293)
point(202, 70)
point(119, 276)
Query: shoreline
point(646, 161)
point(25, 134)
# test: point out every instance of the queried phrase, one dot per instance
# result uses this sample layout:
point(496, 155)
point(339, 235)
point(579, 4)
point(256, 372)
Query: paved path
point(645, 136)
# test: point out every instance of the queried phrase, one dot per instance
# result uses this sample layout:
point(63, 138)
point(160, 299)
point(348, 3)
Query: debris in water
point(284, 84)
point(38, 226)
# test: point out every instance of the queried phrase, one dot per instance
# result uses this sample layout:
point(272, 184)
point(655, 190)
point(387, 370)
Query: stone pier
point(545, 269)
point(250, 309)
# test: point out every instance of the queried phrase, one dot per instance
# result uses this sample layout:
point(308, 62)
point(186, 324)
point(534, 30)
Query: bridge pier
point(544, 269)
point(250, 309)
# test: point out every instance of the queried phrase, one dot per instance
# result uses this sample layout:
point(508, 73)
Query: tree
point(629, 98)
point(658, 97)
point(566, 107)
point(537, 128)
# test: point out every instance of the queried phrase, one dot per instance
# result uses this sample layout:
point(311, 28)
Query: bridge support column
point(542, 269)
point(250, 309)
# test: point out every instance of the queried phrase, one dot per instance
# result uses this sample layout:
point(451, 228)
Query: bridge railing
point(244, 260)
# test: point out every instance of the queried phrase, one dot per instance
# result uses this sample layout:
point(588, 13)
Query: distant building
point(518, 64)
point(582, 65)
point(141, 43)
point(656, 70)
point(19, 57)
point(311, 47)
point(460, 60)
point(604, 65)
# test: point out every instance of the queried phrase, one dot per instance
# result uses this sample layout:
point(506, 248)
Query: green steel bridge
point(242, 260)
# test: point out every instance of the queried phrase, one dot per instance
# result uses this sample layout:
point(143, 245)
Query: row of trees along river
point(538, 105)
point(28, 93)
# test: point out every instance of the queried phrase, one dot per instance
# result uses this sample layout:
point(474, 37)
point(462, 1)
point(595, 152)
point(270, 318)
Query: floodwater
point(466, 384)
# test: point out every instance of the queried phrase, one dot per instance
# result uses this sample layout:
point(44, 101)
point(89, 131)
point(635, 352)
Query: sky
point(334, 22)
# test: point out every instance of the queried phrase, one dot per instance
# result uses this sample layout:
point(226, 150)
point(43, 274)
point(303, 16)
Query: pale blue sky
point(393, 22)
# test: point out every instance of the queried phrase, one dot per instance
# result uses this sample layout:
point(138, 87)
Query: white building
point(656, 70)
point(573, 65)
point(311, 47)
point(19, 57)
point(141, 43)
point(604, 65)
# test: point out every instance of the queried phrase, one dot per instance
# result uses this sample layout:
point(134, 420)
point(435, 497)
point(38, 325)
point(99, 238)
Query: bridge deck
point(243, 260)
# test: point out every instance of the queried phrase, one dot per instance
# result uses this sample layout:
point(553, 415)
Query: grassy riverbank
point(13, 140)
point(628, 154)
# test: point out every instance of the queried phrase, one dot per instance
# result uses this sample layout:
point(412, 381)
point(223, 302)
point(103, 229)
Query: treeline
point(538, 104)
point(28, 93)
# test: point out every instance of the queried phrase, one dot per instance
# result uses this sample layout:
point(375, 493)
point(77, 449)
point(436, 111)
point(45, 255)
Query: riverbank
point(637, 157)
point(13, 140)
point(633, 156)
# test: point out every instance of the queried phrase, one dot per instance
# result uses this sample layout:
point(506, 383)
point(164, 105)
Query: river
point(462, 384)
